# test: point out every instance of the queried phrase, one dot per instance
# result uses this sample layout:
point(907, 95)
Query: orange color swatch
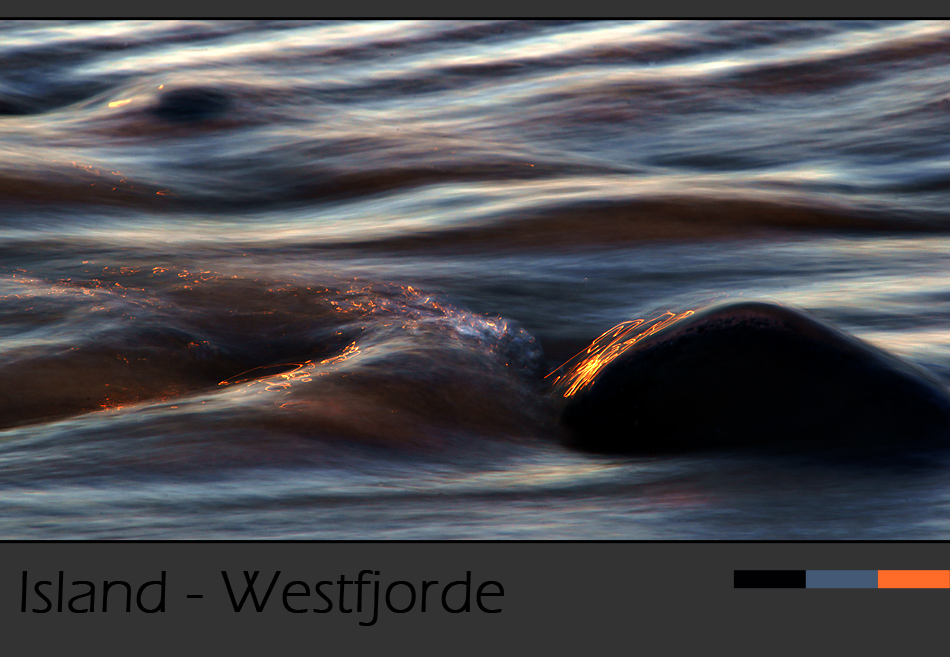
point(913, 579)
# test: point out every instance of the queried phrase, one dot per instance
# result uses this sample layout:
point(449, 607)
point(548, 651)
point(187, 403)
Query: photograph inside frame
point(503, 279)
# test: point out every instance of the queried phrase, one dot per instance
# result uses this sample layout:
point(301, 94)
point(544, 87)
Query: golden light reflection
point(289, 373)
point(113, 180)
point(584, 367)
point(266, 372)
point(120, 103)
point(351, 350)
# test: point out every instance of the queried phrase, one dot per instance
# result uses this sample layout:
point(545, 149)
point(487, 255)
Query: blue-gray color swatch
point(841, 579)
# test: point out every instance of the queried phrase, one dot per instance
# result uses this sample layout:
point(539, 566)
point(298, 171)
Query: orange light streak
point(351, 350)
point(249, 374)
point(608, 347)
point(301, 371)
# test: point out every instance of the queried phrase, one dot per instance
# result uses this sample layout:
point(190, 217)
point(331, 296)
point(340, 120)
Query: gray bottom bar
point(841, 579)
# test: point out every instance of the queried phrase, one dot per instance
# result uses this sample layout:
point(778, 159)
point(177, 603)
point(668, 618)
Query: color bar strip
point(841, 579)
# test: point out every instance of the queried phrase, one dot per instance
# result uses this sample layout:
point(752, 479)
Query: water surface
point(282, 279)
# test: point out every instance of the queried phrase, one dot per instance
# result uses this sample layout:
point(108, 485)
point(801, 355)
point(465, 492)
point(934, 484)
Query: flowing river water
point(306, 279)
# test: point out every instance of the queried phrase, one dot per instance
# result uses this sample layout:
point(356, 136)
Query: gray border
point(562, 597)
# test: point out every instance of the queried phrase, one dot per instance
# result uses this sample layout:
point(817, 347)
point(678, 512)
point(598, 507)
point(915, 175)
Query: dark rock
point(191, 104)
point(754, 374)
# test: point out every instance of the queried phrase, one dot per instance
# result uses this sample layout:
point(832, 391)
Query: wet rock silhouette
point(191, 105)
point(753, 374)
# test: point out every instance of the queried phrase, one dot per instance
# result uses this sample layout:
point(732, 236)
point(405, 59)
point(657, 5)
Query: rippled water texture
point(306, 279)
